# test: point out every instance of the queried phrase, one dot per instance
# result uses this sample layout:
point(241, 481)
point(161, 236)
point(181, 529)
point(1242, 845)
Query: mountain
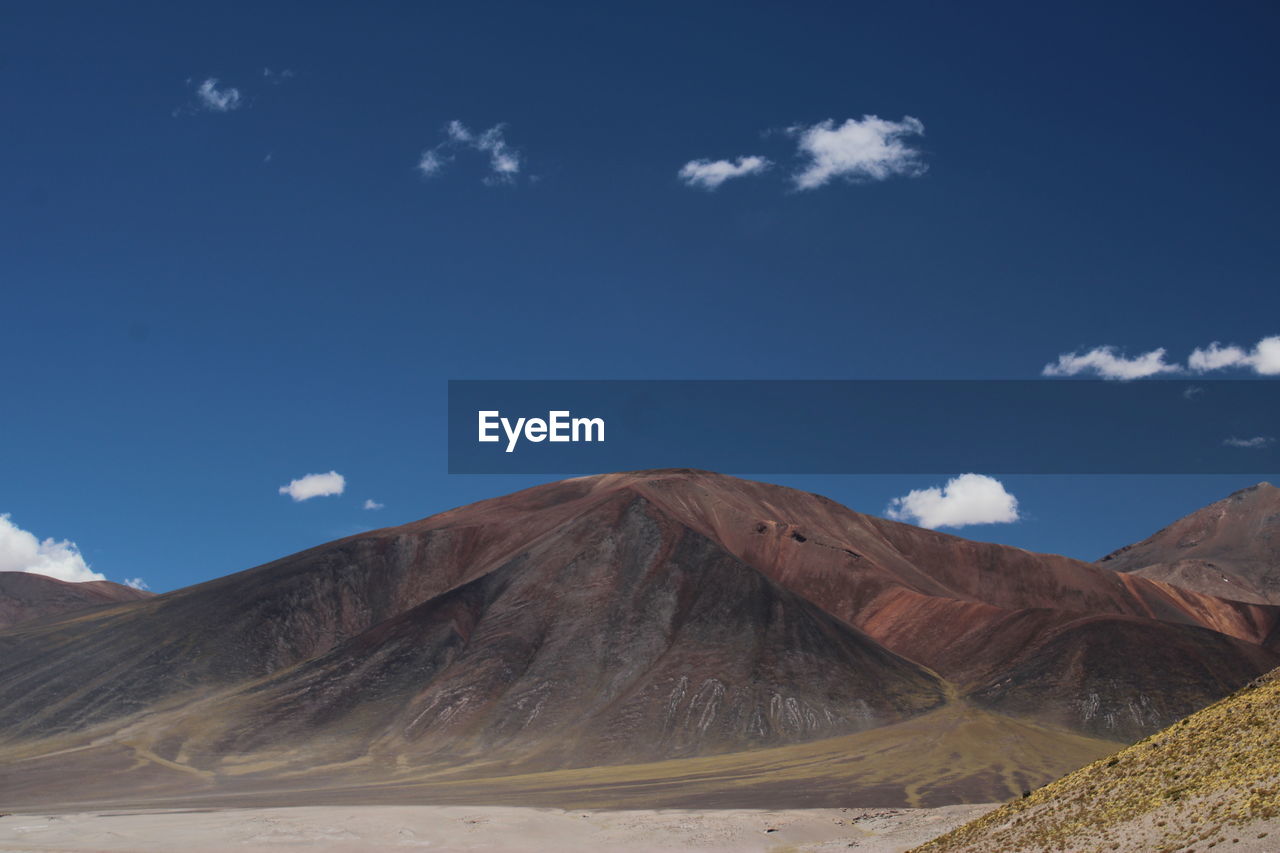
point(1230, 549)
point(662, 635)
point(25, 596)
point(1212, 779)
point(969, 609)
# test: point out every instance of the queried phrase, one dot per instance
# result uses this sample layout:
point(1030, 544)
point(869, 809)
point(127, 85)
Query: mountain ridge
point(26, 596)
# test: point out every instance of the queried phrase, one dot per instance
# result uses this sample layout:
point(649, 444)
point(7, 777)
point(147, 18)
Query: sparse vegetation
point(1200, 781)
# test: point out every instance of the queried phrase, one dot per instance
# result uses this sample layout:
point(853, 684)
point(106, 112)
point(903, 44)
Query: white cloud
point(315, 486)
point(430, 162)
point(870, 149)
point(215, 99)
point(370, 503)
point(1107, 363)
point(1264, 358)
point(21, 551)
point(457, 132)
point(1256, 443)
point(709, 174)
point(967, 499)
point(136, 583)
point(504, 161)
point(277, 77)
point(1215, 357)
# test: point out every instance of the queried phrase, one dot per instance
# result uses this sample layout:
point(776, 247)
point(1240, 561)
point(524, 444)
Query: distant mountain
point(25, 596)
point(616, 621)
point(1209, 781)
point(1230, 549)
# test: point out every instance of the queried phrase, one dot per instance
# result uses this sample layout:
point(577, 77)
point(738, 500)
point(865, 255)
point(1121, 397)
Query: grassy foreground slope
point(1211, 781)
point(955, 753)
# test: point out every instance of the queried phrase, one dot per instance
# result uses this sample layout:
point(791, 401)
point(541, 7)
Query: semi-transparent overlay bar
point(1046, 426)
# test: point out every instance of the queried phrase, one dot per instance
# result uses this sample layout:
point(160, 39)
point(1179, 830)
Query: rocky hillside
point(1211, 781)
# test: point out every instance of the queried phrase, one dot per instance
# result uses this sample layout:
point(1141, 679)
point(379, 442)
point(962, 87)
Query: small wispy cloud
point(963, 500)
point(136, 583)
point(277, 77)
point(505, 162)
point(315, 486)
point(1256, 443)
point(370, 503)
point(1110, 363)
point(430, 162)
point(218, 100)
point(866, 149)
point(22, 551)
point(709, 174)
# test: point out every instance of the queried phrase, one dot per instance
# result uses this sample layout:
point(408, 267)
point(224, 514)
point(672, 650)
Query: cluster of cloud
point(22, 551)
point(1109, 363)
point(963, 500)
point(504, 161)
point(370, 503)
point(315, 486)
point(136, 583)
point(857, 151)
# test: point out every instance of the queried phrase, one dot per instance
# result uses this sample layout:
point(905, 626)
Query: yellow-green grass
point(1193, 785)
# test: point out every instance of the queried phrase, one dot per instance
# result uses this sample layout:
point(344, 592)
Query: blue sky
point(203, 304)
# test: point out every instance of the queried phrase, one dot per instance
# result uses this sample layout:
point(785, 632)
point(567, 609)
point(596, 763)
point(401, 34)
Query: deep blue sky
point(200, 306)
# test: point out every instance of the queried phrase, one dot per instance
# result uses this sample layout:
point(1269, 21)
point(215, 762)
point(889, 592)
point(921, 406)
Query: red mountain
point(1229, 549)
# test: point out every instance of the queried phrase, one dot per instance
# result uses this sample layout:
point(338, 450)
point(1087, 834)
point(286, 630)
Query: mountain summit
point(1229, 549)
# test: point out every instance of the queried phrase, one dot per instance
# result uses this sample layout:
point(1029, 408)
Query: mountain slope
point(1211, 780)
point(1229, 549)
point(989, 617)
point(626, 637)
point(25, 596)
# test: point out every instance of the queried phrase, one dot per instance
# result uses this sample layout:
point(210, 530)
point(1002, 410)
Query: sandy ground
point(497, 828)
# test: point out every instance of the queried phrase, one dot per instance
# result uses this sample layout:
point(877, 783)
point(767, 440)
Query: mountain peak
point(1262, 488)
point(1230, 548)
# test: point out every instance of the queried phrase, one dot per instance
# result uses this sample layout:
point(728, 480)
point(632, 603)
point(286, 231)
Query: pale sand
point(497, 828)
